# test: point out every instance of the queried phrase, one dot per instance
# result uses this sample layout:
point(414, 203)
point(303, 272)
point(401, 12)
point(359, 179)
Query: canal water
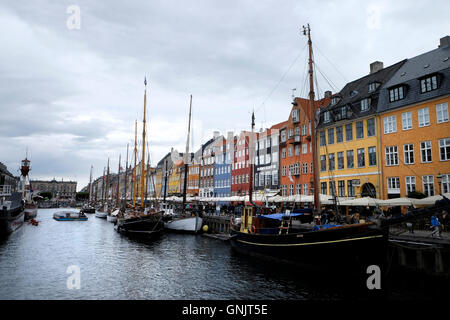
point(35, 263)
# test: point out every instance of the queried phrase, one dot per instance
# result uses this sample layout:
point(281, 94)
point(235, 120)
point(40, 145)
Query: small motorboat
point(101, 214)
point(88, 209)
point(112, 217)
point(69, 216)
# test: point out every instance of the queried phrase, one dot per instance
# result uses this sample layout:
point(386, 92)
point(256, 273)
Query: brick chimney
point(327, 94)
point(376, 66)
point(445, 42)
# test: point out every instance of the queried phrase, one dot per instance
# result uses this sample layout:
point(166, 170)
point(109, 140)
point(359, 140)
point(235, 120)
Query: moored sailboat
point(139, 222)
point(351, 247)
point(184, 222)
point(102, 212)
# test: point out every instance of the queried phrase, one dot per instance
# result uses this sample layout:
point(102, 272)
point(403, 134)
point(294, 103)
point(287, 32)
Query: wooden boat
point(138, 222)
point(69, 216)
point(341, 247)
point(112, 217)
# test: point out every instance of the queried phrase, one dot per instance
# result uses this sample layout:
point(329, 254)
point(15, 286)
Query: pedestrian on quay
point(435, 225)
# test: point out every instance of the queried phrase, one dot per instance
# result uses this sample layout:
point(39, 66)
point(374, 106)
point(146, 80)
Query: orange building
point(296, 161)
point(415, 127)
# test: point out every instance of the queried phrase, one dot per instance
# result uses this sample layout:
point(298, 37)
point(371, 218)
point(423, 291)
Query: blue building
point(222, 169)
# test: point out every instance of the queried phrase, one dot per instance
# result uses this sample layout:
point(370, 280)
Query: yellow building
point(349, 139)
point(415, 127)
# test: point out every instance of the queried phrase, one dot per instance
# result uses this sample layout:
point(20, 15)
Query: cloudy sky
point(72, 72)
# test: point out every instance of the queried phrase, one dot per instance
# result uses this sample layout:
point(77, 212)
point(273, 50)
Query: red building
point(240, 168)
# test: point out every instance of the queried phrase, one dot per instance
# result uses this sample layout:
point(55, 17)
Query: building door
point(368, 190)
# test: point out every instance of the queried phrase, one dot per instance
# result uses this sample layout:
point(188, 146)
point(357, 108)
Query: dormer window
point(326, 116)
point(397, 93)
point(295, 115)
point(428, 84)
point(365, 104)
point(353, 93)
point(372, 86)
point(334, 100)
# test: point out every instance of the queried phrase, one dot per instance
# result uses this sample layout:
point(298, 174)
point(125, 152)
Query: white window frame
point(422, 149)
point(442, 112)
point(408, 149)
point(390, 124)
point(410, 184)
point(407, 120)
point(391, 155)
point(427, 182)
point(423, 117)
point(444, 143)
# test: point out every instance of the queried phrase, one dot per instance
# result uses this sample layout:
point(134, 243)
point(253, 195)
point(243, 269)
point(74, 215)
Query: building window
point(340, 158)
point(283, 153)
point(311, 168)
point(341, 188)
point(410, 183)
point(393, 185)
point(326, 116)
point(305, 148)
point(268, 158)
point(332, 188)
point(275, 178)
point(322, 138)
point(331, 136)
point(323, 188)
point(445, 183)
point(359, 130)
point(406, 121)
point(295, 114)
point(396, 94)
point(391, 156)
point(284, 190)
point(291, 133)
point(442, 112)
point(371, 127)
point(424, 117)
point(444, 149)
point(361, 158)
point(304, 128)
point(297, 150)
point(349, 132)
point(390, 124)
point(290, 151)
point(291, 189)
point(350, 159)
point(284, 171)
point(428, 185)
point(323, 163)
point(339, 134)
point(408, 152)
point(428, 84)
point(372, 156)
point(331, 163)
point(305, 189)
point(372, 87)
point(283, 136)
point(305, 168)
point(365, 103)
point(275, 157)
point(350, 188)
point(425, 151)
point(298, 189)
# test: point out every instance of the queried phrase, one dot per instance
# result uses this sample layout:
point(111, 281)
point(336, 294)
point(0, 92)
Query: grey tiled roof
point(360, 91)
point(437, 61)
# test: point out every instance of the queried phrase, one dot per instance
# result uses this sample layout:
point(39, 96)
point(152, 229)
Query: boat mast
point(134, 169)
point(107, 185)
point(103, 188)
point(143, 147)
point(312, 117)
point(186, 157)
point(118, 184)
point(251, 156)
point(90, 186)
point(147, 173)
point(126, 178)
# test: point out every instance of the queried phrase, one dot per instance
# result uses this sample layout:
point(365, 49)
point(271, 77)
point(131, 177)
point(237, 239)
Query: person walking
point(435, 225)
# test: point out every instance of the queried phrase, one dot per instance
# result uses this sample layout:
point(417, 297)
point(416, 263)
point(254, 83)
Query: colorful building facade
point(415, 127)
